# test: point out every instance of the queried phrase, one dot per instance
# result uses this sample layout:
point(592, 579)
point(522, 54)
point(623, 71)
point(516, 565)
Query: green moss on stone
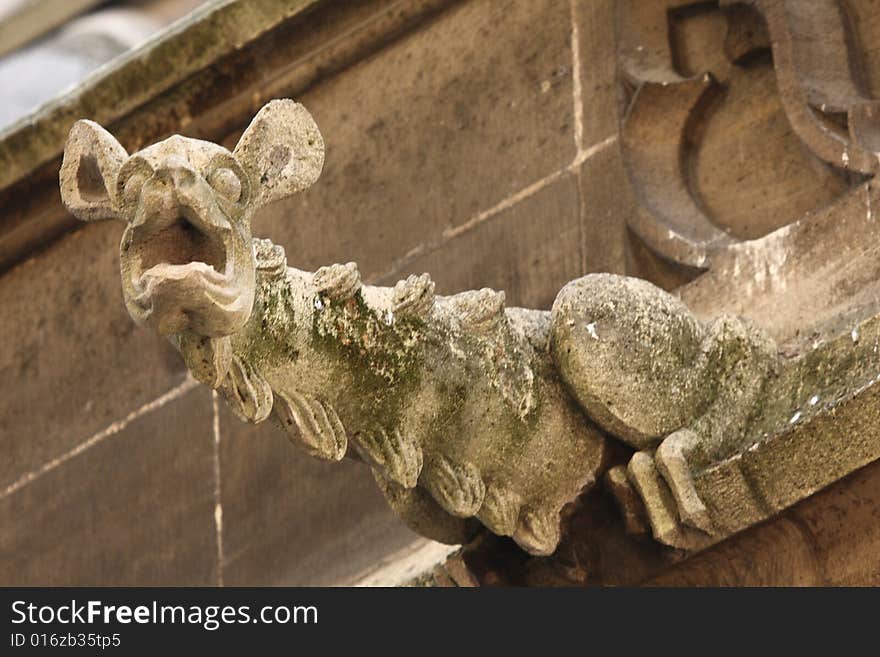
point(382, 359)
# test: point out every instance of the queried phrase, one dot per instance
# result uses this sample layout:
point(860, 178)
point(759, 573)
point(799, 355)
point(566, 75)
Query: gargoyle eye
point(226, 183)
point(133, 185)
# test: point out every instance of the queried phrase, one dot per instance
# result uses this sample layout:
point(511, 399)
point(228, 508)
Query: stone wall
point(478, 144)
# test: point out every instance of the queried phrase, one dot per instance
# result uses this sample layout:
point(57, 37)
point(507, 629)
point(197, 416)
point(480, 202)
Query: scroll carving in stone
point(750, 85)
point(467, 411)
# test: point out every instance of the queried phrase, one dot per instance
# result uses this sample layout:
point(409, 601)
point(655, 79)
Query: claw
point(414, 296)
point(660, 505)
point(398, 457)
point(456, 487)
point(672, 464)
point(249, 395)
point(628, 501)
point(500, 510)
point(271, 259)
point(338, 281)
point(480, 310)
point(538, 533)
point(317, 424)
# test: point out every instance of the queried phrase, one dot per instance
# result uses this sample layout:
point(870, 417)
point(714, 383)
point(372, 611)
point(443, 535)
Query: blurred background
point(47, 46)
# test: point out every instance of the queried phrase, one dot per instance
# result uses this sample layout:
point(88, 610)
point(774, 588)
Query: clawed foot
point(658, 486)
point(671, 461)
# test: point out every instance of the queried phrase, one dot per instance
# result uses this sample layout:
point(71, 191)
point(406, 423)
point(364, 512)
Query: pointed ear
point(282, 150)
point(92, 158)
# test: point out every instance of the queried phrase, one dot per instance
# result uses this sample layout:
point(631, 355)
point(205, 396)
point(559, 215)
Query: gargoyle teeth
point(338, 282)
point(500, 510)
point(480, 310)
point(209, 359)
point(457, 487)
point(248, 393)
point(538, 532)
point(414, 296)
point(398, 457)
point(313, 424)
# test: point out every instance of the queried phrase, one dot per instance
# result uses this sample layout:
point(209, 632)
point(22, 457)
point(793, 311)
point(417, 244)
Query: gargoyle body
point(466, 410)
point(452, 400)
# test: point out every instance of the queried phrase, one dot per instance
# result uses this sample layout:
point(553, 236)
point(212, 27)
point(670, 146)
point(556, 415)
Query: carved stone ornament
point(735, 99)
point(469, 413)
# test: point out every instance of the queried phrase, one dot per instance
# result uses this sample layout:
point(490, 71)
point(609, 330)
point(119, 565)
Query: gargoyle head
point(187, 257)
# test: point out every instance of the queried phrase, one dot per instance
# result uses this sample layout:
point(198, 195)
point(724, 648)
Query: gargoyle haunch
point(465, 409)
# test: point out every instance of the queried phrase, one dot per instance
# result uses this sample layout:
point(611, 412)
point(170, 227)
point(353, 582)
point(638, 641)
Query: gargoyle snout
point(176, 171)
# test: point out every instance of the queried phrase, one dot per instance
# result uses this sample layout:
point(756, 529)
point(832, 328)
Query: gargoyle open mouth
point(181, 270)
point(182, 243)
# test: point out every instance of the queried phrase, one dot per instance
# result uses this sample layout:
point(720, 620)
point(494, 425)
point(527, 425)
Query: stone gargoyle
point(465, 409)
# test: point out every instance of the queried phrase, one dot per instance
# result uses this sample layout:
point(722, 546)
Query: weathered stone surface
point(594, 20)
point(289, 519)
point(806, 439)
point(830, 539)
point(813, 286)
point(292, 45)
point(777, 556)
point(345, 369)
point(71, 360)
point(632, 355)
point(607, 245)
point(605, 186)
point(572, 226)
point(604, 204)
point(135, 509)
point(817, 275)
point(729, 127)
point(748, 194)
point(529, 251)
point(776, 306)
point(380, 369)
point(419, 144)
point(737, 366)
point(843, 526)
